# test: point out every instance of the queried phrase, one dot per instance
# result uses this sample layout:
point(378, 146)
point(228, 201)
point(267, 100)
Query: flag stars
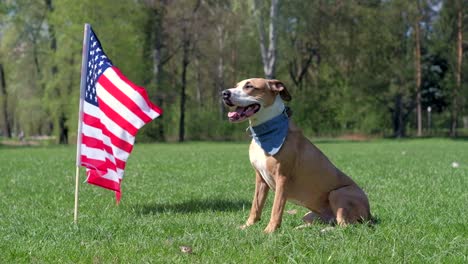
point(97, 65)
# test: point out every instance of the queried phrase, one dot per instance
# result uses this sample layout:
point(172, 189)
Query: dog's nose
point(226, 94)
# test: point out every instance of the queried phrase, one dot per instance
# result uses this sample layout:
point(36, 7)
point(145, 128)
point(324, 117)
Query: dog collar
point(270, 135)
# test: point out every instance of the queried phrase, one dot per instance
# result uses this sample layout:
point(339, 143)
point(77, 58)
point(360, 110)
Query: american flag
point(112, 112)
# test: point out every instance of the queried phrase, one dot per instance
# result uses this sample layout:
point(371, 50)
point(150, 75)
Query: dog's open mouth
point(243, 112)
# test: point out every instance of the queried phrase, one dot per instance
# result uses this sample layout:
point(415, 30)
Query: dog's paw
point(270, 229)
point(243, 227)
point(250, 221)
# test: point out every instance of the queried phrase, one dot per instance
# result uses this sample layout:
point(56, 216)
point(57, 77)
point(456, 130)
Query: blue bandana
point(270, 135)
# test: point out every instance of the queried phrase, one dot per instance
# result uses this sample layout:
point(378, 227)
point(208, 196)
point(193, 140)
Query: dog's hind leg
point(312, 217)
point(349, 205)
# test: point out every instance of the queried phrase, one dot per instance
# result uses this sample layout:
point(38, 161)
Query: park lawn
point(198, 194)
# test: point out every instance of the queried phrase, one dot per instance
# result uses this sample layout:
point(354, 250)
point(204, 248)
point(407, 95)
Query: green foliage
point(204, 125)
point(198, 194)
point(347, 63)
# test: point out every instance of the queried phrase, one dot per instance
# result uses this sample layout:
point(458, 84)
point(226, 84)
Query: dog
point(286, 162)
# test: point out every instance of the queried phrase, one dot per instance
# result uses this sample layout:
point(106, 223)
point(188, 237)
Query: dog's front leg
point(261, 191)
point(278, 206)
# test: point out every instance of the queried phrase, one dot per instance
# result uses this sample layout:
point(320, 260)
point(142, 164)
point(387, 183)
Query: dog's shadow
point(193, 206)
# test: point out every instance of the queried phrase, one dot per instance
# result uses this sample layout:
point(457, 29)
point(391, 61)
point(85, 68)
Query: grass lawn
point(198, 194)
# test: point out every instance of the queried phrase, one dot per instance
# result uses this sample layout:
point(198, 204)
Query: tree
point(387, 74)
point(268, 54)
point(423, 15)
point(22, 46)
point(62, 115)
point(4, 96)
point(304, 41)
point(448, 42)
point(223, 10)
point(417, 62)
point(184, 22)
point(458, 70)
point(156, 48)
point(352, 66)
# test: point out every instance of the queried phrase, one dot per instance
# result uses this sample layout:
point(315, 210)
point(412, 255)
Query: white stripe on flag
point(93, 132)
point(113, 176)
point(130, 92)
point(113, 127)
point(120, 108)
point(99, 154)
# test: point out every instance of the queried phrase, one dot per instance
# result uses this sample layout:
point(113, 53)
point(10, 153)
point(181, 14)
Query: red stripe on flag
point(101, 165)
point(99, 144)
point(95, 143)
point(118, 119)
point(138, 89)
point(123, 98)
point(120, 164)
point(95, 178)
point(95, 122)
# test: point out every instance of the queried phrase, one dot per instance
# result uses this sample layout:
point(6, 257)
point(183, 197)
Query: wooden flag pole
point(84, 67)
point(77, 179)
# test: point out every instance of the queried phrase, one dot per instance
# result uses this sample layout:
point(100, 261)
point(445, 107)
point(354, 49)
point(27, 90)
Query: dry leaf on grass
point(185, 249)
point(292, 212)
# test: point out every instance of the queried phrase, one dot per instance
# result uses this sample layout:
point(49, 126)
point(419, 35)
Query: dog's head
point(255, 97)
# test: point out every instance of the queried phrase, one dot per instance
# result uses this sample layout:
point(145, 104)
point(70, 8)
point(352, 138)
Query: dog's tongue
point(242, 112)
point(233, 115)
point(237, 114)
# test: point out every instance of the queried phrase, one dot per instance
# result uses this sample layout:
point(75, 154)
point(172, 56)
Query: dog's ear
point(278, 87)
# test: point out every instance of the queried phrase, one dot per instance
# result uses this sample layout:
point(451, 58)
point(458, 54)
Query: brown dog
point(288, 163)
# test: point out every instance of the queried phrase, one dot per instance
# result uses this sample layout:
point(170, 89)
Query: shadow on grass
point(374, 221)
point(460, 138)
point(193, 206)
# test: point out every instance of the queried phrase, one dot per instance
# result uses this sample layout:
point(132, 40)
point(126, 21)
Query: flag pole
point(84, 66)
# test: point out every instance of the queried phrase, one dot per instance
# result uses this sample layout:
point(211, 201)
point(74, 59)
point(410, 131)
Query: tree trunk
point(219, 80)
point(198, 81)
point(185, 63)
point(63, 129)
point(159, 84)
point(3, 91)
point(398, 117)
point(53, 39)
point(220, 69)
point(458, 72)
point(187, 48)
point(297, 73)
point(158, 64)
point(268, 55)
point(417, 60)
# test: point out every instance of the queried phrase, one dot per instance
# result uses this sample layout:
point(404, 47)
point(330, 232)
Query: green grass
point(198, 194)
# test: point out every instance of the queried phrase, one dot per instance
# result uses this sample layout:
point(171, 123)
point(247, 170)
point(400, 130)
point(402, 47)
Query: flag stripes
point(113, 110)
point(123, 83)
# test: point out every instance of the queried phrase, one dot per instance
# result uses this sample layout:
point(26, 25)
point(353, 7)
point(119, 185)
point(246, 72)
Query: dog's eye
point(249, 86)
